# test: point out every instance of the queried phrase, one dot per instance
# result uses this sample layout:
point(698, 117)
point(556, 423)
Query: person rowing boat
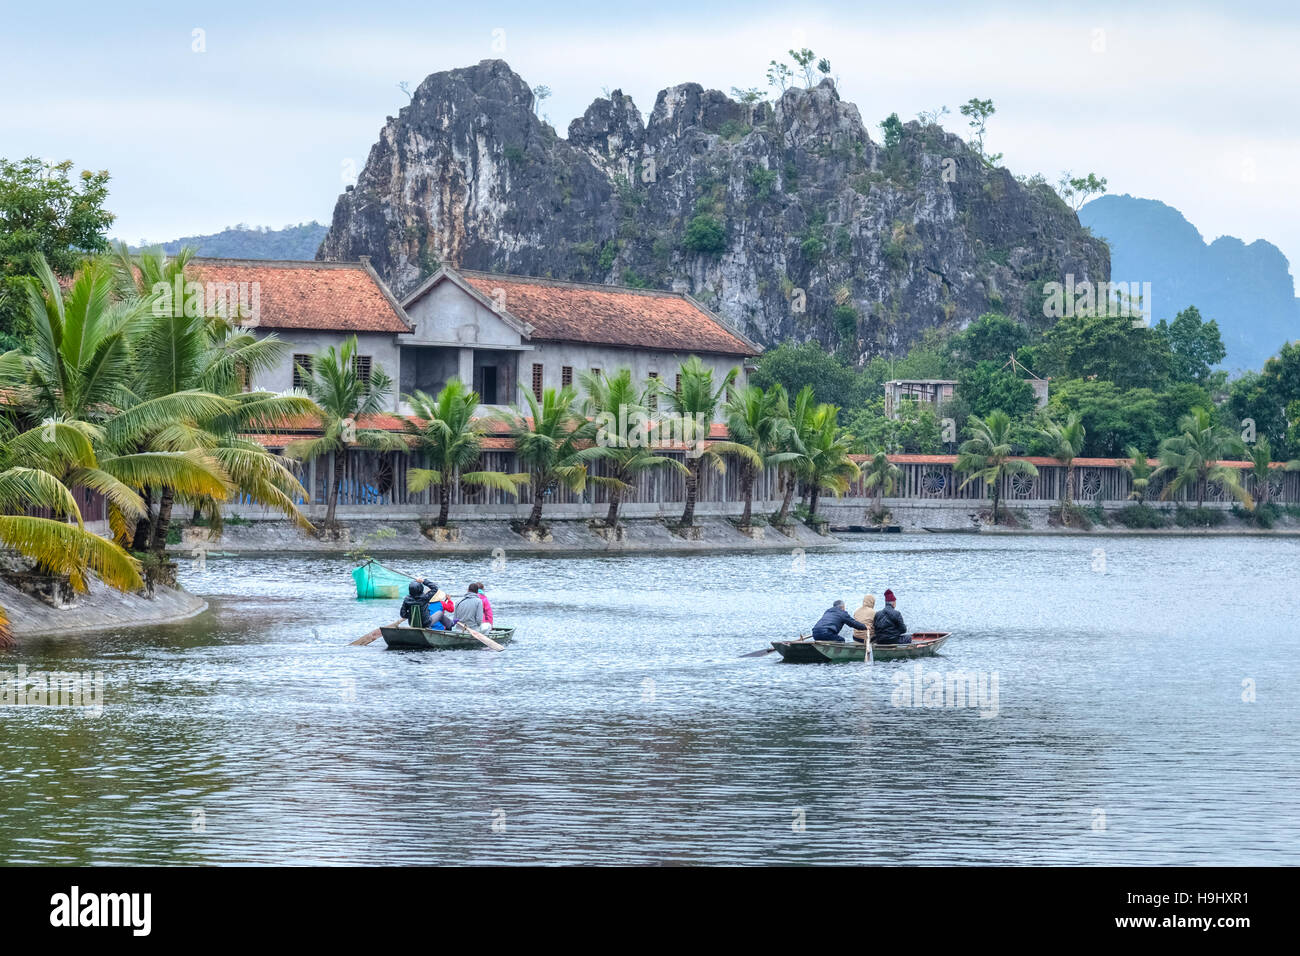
point(416, 610)
point(832, 621)
point(866, 614)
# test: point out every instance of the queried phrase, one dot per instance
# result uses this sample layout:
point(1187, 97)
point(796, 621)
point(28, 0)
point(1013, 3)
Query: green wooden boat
point(421, 638)
point(924, 644)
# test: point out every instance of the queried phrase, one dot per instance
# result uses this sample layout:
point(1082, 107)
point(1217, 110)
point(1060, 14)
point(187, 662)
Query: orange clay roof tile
point(606, 315)
point(332, 296)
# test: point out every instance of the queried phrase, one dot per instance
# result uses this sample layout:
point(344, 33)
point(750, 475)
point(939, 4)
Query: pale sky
point(1191, 104)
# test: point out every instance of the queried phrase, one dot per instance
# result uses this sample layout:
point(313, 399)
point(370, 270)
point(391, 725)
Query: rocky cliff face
point(785, 217)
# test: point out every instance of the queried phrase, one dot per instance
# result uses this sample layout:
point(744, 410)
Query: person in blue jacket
point(835, 618)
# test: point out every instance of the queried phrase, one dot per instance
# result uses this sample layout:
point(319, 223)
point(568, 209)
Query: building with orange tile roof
point(503, 334)
point(510, 333)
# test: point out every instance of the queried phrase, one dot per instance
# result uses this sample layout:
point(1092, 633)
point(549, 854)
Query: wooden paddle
point(372, 636)
point(769, 650)
point(486, 641)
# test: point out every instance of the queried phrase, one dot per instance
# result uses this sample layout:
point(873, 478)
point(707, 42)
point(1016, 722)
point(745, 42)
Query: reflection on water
point(622, 726)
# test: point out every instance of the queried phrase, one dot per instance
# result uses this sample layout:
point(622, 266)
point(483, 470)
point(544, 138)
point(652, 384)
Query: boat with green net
point(376, 581)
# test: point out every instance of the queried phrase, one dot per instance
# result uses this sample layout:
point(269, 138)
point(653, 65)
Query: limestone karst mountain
point(785, 217)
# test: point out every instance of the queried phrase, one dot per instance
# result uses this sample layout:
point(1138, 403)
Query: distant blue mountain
point(1247, 288)
point(245, 242)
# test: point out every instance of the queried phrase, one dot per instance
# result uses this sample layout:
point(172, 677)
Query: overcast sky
point(1195, 105)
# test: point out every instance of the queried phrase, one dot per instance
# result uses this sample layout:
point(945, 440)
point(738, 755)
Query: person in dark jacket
point(828, 628)
point(889, 625)
point(417, 597)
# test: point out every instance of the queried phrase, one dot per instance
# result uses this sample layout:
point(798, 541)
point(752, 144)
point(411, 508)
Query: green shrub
point(705, 235)
point(607, 254)
point(1140, 516)
point(846, 321)
point(1199, 517)
point(895, 253)
point(761, 182)
point(1264, 516)
point(843, 241)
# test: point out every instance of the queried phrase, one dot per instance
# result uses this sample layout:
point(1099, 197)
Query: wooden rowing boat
point(924, 643)
point(421, 638)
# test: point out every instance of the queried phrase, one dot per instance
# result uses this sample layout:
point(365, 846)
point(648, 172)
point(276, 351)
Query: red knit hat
point(889, 596)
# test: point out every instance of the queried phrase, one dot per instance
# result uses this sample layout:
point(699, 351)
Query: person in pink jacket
point(477, 588)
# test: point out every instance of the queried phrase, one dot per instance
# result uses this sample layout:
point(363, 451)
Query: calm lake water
point(622, 726)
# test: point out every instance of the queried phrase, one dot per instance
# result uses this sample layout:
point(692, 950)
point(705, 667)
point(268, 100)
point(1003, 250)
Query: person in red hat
point(888, 624)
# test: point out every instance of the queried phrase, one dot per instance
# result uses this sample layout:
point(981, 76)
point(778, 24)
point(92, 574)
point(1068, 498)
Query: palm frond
point(154, 414)
point(309, 449)
point(497, 480)
point(63, 549)
point(22, 488)
point(191, 474)
point(419, 479)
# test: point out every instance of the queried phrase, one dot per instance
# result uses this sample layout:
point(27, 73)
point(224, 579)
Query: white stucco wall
point(446, 315)
point(382, 347)
point(553, 356)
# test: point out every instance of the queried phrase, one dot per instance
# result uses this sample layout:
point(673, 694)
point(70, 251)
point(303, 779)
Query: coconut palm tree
point(451, 439)
point(1141, 473)
point(826, 465)
point(1195, 456)
point(1261, 468)
point(343, 398)
point(160, 394)
point(791, 442)
point(987, 455)
point(616, 400)
point(696, 401)
point(58, 545)
point(549, 442)
point(882, 476)
point(756, 428)
point(178, 353)
point(1065, 443)
point(82, 371)
point(78, 361)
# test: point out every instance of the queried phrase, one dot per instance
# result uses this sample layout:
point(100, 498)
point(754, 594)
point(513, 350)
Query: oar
point(402, 573)
point(771, 649)
point(487, 641)
point(372, 636)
